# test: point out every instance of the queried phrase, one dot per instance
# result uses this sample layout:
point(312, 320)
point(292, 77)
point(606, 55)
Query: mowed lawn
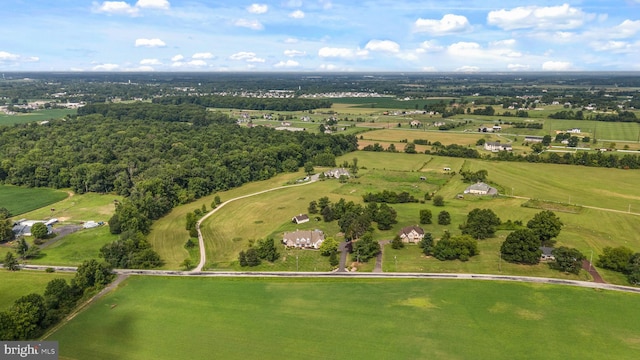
point(19, 200)
point(205, 318)
point(75, 248)
point(79, 208)
point(14, 284)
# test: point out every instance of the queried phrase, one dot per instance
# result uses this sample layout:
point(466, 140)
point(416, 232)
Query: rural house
point(303, 239)
point(481, 189)
point(546, 254)
point(336, 173)
point(23, 227)
point(415, 123)
point(533, 139)
point(300, 219)
point(411, 234)
point(497, 146)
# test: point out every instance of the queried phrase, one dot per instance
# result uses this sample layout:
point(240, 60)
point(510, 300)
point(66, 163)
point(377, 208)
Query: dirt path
point(592, 270)
point(112, 286)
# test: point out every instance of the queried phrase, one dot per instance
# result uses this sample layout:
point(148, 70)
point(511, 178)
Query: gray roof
point(546, 250)
point(406, 230)
point(482, 187)
point(302, 237)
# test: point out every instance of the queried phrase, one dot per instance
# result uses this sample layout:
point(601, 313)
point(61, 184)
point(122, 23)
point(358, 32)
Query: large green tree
point(567, 259)
point(425, 216)
point(481, 223)
point(456, 247)
point(546, 225)
point(616, 259)
point(39, 230)
point(522, 247)
point(329, 246)
point(365, 248)
point(10, 262)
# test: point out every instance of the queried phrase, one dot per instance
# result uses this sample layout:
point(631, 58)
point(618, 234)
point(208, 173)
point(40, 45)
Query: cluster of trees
point(449, 247)
point(130, 251)
point(480, 224)
point(620, 116)
point(621, 259)
point(329, 247)
point(568, 115)
point(522, 246)
point(518, 113)
point(194, 114)
point(487, 111)
point(389, 197)
point(523, 125)
point(248, 103)
point(6, 226)
point(365, 248)
point(469, 176)
point(32, 314)
point(264, 250)
point(354, 219)
point(444, 218)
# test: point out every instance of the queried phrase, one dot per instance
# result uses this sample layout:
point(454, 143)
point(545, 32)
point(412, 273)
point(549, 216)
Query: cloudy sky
point(320, 35)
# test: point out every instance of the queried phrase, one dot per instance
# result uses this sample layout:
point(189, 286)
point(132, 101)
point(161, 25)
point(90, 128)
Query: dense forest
point(155, 161)
point(247, 103)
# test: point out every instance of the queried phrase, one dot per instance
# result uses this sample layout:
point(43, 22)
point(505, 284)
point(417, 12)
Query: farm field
point(14, 284)
point(20, 200)
point(604, 131)
point(151, 317)
point(75, 248)
point(39, 115)
point(79, 208)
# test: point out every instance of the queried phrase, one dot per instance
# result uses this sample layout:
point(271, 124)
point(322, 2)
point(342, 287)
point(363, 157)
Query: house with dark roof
point(547, 254)
point(303, 239)
point(411, 234)
point(481, 188)
point(300, 219)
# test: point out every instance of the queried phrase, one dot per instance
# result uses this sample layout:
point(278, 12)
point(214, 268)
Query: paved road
point(203, 253)
point(355, 275)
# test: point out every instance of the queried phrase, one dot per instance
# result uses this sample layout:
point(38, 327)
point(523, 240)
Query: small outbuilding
point(300, 219)
point(481, 188)
point(547, 254)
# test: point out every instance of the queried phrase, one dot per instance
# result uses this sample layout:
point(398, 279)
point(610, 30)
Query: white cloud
point(517, 67)
point(140, 68)
point(150, 62)
point(346, 53)
point(429, 46)
point(251, 24)
point(328, 67)
point(429, 69)
point(287, 64)
point(557, 66)
point(258, 8)
point(468, 69)
point(117, 8)
point(203, 55)
point(150, 43)
point(192, 63)
point(298, 14)
point(463, 48)
point(246, 56)
point(153, 4)
point(327, 4)
point(293, 53)
point(105, 67)
point(383, 45)
point(503, 43)
point(544, 18)
point(410, 56)
point(626, 29)
point(449, 24)
point(5, 56)
point(9, 57)
point(177, 58)
point(612, 46)
point(290, 41)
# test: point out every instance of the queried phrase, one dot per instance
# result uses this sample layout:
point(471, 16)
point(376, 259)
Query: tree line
point(30, 315)
point(246, 103)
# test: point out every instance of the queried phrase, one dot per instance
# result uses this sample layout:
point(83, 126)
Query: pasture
point(75, 248)
point(20, 200)
point(39, 115)
point(234, 318)
point(14, 284)
point(79, 208)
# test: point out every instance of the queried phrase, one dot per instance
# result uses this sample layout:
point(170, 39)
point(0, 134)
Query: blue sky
point(320, 35)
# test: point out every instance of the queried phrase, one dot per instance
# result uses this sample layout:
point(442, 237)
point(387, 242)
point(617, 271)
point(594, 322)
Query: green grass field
point(204, 318)
point(79, 208)
point(40, 115)
point(20, 200)
point(75, 248)
point(14, 284)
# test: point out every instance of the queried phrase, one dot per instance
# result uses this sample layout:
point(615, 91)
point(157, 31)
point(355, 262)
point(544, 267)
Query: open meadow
point(75, 248)
point(14, 284)
point(39, 115)
point(79, 208)
point(20, 200)
point(197, 318)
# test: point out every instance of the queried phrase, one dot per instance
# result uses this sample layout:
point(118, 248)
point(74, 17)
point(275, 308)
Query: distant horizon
point(317, 36)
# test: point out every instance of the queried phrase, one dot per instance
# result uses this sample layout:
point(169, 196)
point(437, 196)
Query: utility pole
point(591, 260)
point(395, 257)
point(296, 263)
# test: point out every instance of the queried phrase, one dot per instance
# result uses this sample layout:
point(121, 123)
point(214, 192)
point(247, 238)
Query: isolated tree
point(567, 259)
point(329, 246)
point(323, 202)
point(426, 244)
point(242, 259)
point(327, 214)
point(10, 262)
point(21, 247)
point(191, 221)
point(6, 230)
point(546, 225)
point(546, 140)
point(481, 223)
point(410, 148)
point(397, 243)
point(438, 200)
point(4, 213)
point(616, 259)
point(333, 259)
point(217, 200)
point(425, 216)
point(444, 218)
point(521, 246)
